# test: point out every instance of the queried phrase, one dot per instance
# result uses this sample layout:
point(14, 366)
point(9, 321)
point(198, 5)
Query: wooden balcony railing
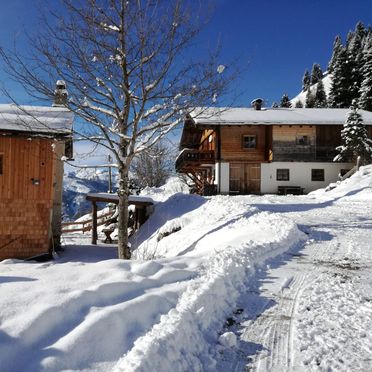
point(194, 158)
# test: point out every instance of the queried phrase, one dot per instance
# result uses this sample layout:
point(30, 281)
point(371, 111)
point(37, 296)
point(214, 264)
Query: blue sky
point(275, 40)
point(279, 39)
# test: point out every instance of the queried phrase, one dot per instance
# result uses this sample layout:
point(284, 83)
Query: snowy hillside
point(75, 187)
point(270, 283)
point(327, 81)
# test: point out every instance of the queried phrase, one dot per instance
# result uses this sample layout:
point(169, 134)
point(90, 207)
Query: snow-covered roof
point(293, 116)
point(132, 199)
point(36, 119)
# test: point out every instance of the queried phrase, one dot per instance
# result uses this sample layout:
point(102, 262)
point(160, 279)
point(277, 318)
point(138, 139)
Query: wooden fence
point(85, 225)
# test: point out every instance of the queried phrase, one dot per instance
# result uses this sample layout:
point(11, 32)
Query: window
point(1, 164)
point(69, 149)
point(249, 142)
point(317, 175)
point(282, 174)
point(344, 171)
point(303, 140)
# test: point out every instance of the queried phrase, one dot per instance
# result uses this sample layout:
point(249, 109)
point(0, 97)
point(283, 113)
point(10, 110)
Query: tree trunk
point(123, 215)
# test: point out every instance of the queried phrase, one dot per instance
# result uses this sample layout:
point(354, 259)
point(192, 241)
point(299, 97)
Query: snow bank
point(173, 186)
point(82, 311)
point(185, 338)
point(357, 187)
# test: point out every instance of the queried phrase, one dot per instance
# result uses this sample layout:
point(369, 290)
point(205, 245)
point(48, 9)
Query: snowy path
point(312, 309)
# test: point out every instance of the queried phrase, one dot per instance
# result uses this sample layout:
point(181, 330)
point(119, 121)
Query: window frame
point(301, 142)
point(244, 142)
point(315, 178)
point(287, 174)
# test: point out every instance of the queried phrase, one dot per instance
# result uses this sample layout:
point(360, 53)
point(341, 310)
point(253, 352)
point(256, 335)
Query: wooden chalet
point(262, 150)
point(32, 142)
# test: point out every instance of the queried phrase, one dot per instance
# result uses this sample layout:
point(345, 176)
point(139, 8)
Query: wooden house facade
point(254, 150)
point(33, 141)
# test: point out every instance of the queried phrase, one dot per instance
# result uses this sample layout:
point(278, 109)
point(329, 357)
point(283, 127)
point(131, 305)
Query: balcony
point(193, 158)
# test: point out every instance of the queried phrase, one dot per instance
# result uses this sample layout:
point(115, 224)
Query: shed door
point(253, 178)
point(245, 178)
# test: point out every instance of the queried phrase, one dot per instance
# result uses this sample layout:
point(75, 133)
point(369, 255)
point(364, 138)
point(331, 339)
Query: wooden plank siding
point(245, 164)
point(26, 196)
point(232, 143)
point(286, 146)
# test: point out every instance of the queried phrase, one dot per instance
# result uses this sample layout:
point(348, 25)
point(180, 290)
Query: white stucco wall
point(299, 175)
point(223, 181)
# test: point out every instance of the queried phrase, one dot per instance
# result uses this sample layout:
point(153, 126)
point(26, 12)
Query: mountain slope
point(75, 187)
point(327, 81)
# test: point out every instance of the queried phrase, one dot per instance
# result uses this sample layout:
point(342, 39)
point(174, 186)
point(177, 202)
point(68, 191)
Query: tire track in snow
point(332, 251)
point(274, 327)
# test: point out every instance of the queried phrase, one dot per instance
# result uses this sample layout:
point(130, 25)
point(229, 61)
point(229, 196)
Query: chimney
point(60, 94)
point(257, 103)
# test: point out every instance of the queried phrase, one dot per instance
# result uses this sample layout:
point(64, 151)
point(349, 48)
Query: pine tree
point(316, 73)
point(299, 104)
point(306, 81)
point(355, 58)
point(337, 47)
point(285, 102)
point(310, 99)
point(340, 94)
point(274, 105)
point(355, 141)
point(365, 101)
point(320, 99)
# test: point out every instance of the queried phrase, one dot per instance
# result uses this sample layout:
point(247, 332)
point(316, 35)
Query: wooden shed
point(33, 142)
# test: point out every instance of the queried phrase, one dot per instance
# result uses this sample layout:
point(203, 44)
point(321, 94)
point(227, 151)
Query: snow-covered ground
point(261, 283)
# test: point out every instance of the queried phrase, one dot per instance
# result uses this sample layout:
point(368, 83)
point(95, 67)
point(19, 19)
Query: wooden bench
point(108, 230)
point(294, 190)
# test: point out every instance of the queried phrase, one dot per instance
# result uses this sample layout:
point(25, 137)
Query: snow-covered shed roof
point(268, 116)
point(114, 198)
point(35, 119)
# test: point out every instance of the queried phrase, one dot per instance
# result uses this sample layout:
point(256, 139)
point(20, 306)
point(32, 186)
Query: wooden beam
point(94, 223)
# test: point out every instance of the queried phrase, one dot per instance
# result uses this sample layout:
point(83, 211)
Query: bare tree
point(130, 72)
point(153, 166)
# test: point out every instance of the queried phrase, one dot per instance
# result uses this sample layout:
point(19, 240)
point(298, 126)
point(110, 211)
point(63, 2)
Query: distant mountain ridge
point(77, 185)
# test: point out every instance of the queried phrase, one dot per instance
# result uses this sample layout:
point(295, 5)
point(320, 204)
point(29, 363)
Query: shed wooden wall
point(26, 207)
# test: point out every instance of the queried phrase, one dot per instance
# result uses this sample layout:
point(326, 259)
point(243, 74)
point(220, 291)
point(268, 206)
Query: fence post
point(358, 163)
point(94, 222)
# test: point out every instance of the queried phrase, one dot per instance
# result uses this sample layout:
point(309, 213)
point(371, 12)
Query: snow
point(327, 82)
point(233, 283)
point(115, 197)
point(173, 186)
point(228, 339)
point(269, 116)
point(221, 69)
point(110, 27)
point(37, 119)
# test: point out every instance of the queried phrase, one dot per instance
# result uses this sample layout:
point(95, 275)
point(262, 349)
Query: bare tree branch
point(131, 71)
